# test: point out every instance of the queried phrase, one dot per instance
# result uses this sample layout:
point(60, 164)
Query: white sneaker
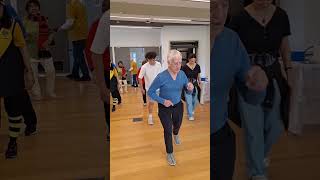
point(150, 120)
point(171, 160)
point(144, 104)
point(258, 178)
point(193, 112)
point(191, 118)
point(176, 139)
point(266, 162)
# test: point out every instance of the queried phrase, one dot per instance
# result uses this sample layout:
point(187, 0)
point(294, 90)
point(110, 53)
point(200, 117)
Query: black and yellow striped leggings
point(14, 108)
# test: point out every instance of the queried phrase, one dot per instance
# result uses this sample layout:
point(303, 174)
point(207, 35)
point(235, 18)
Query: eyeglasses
point(176, 63)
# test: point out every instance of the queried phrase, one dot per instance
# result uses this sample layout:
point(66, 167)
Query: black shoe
point(30, 131)
point(12, 150)
point(84, 79)
point(113, 109)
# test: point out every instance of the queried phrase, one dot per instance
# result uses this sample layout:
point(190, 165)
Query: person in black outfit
point(192, 71)
point(264, 29)
point(15, 71)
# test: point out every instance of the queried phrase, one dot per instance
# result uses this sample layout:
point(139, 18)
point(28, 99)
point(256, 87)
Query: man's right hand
point(256, 79)
point(167, 103)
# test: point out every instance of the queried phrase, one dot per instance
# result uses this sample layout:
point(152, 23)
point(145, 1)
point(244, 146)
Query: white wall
point(295, 10)
point(130, 37)
point(312, 23)
point(303, 17)
point(188, 33)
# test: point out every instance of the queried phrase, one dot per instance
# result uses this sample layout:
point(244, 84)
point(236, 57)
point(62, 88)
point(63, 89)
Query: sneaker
point(191, 118)
point(193, 112)
point(258, 178)
point(144, 104)
point(176, 139)
point(266, 162)
point(150, 120)
point(170, 159)
point(12, 150)
point(30, 131)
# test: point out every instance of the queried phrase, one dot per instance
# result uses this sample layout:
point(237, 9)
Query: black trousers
point(144, 96)
point(171, 120)
point(107, 113)
point(116, 94)
point(28, 113)
point(223, 153)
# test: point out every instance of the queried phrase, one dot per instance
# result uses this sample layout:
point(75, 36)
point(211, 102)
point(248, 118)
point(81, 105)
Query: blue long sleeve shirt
point(12, 13)
point(169, 89)
point(229, 64)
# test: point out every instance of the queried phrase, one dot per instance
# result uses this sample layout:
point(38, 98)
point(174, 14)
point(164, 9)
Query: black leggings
point(144, 96)
point(14, 107)
point(107, 114)
point(28, 113)
point(223, 153)
point(171, 120)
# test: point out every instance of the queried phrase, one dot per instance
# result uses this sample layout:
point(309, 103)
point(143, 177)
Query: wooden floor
point(292, 158)
point(138, 150)
point(71, 143)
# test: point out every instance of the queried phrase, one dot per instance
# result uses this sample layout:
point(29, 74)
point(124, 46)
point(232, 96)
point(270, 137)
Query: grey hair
point(172, 55)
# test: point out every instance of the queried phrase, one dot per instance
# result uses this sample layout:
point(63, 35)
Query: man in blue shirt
point(229, 63)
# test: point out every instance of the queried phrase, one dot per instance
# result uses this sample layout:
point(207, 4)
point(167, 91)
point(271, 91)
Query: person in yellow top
point(77, 27)
point(114, 86)
point(134, 70)
point(15, 75)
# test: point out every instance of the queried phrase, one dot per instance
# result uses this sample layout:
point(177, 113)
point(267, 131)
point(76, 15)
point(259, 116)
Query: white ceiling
point(175, 3)
point(193, 7)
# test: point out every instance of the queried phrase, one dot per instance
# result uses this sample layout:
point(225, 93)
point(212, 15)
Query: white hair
point(172, 55)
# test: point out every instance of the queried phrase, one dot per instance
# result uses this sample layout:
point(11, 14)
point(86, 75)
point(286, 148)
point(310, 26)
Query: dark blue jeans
point(134, 80)
point(79, 60)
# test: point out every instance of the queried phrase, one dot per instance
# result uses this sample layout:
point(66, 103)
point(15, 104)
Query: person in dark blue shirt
point(229, 63)
point(171, 82)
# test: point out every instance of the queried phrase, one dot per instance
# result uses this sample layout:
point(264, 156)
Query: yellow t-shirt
point(134, 67)
point(77, 11)
point(114, 73)
point(6, 37)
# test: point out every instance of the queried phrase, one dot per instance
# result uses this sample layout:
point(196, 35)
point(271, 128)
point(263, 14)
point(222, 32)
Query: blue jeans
point(262, 128)
point(134, 80)
point(191, 102)
point(79, 60)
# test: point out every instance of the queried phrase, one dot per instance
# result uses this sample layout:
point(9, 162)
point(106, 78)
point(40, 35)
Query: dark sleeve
point(286, 25)
point(199, 68)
